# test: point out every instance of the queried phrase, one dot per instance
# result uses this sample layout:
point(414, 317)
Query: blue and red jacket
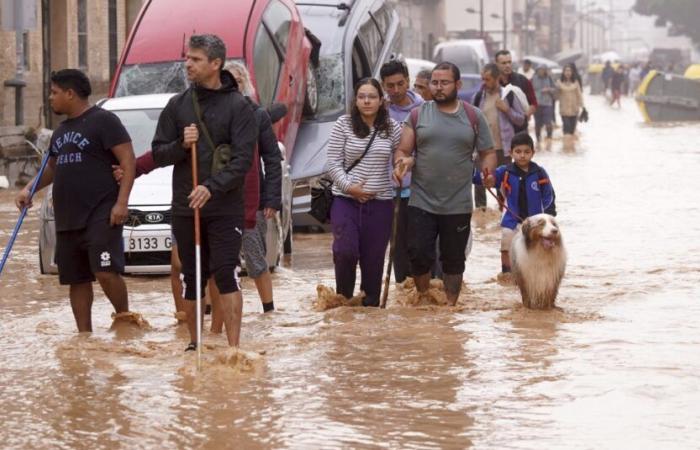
point(529, 191)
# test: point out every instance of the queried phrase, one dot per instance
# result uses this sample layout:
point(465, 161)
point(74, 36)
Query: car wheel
point(311, 97)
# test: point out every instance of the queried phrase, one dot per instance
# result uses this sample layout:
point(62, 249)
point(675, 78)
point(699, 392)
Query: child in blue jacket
point(526, 188)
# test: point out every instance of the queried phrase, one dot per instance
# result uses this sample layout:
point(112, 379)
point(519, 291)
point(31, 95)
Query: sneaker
point(191, 347)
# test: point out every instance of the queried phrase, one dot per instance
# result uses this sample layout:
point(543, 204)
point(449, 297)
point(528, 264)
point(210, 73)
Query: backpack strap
point(505, 184)
point(474, 121)
point(478, 96)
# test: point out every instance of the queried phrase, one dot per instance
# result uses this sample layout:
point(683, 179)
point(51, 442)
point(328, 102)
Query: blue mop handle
point(8, 248)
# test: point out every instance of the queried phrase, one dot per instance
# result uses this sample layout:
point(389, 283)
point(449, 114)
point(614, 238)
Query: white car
point(416, 65)
point(147, 232)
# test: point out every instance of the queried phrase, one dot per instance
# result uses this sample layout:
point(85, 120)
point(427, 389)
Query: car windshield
point(331, 86)
point(153, 78)
point(323, 22)
point(141, 126)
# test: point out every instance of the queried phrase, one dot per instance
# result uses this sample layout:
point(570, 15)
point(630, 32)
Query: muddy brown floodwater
point(617, 367)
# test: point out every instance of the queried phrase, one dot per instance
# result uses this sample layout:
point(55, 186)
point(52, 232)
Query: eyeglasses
point(364, 97)
point(442, 83)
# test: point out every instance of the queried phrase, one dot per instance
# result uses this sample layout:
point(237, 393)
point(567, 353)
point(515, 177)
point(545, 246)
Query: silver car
point(147, 233)
point(357, 37)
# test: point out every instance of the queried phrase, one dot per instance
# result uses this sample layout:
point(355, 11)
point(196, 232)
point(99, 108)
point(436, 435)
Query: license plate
point(148, 244)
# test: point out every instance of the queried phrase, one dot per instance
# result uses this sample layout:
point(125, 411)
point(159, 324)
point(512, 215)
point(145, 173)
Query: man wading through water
point(396, 83)
point(227, 119)
point(441, 199)
point(90, 207)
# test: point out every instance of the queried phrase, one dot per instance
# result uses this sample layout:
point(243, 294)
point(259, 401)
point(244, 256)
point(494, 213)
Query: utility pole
point(481, 18)
point(505, 26)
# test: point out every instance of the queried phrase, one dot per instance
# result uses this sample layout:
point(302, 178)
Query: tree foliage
point(681, 15)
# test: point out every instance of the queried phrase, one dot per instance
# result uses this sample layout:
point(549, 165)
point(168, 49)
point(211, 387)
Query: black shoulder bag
point(322, 196)
point(221, 155)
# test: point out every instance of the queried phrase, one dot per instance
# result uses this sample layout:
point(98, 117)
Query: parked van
point(266, 35)
point(357, 37)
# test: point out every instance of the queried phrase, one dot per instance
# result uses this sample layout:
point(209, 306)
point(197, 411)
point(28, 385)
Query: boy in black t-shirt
point(90, 207)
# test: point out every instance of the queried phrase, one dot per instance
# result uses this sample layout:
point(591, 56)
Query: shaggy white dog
point(538, 261)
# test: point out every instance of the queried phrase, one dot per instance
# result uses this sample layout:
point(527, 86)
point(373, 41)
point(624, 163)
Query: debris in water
point(328, 299)
point(488, 217)
point(505, 279)
point(130, 317)
point(408, 294)
point(225, 361)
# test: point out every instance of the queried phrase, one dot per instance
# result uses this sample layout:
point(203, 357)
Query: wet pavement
point(617, 367)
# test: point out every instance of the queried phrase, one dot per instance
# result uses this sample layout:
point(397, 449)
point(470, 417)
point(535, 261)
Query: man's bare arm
point(22, 198)
point(127, 162)
point(403, 161)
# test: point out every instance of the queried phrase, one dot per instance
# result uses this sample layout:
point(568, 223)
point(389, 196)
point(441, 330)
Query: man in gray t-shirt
point(441, 199)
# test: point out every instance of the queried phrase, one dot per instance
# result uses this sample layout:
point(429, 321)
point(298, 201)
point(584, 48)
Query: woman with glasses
point(360, 151)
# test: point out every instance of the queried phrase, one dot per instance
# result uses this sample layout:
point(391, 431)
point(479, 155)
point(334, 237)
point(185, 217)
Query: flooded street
point(617, 367)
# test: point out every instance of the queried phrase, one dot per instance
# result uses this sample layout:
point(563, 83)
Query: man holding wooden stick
point(214, 116)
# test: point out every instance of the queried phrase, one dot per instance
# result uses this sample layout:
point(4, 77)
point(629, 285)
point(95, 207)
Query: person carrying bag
point(361, 210)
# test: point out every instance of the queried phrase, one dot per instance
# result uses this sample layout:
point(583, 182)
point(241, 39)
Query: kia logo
point(154, 217)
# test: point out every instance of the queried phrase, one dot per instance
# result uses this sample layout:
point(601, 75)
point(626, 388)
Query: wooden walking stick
point(198, 261)
point(392, 242)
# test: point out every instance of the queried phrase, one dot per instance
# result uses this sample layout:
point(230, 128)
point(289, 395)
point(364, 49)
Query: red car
point(266, 35)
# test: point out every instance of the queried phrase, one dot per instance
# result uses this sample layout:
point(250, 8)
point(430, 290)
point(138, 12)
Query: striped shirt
point(345, 147)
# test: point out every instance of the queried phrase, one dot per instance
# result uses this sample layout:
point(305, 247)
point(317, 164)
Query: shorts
point(220, 238)
point(423, 231)
point(99, 247)
point(254, 247)
point(506, 238)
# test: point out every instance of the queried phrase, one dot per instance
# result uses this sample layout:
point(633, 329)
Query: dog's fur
point(538, 261)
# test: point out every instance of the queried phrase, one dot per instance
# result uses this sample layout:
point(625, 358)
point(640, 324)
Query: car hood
point(154, 188)
point(309, 156)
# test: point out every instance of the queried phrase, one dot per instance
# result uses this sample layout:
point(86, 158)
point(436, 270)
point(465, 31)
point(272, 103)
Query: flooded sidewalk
point(616, 367)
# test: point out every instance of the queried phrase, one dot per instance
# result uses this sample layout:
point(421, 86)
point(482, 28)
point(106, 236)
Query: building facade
point(83, 34)
point(422, 26)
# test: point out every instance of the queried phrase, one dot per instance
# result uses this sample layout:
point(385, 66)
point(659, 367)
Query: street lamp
point(493, 16)
point(481, 16)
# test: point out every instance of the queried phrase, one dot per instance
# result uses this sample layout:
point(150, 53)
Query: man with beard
point(90, 207)
point(505, 64)
point(213, 114)
point(442, 132)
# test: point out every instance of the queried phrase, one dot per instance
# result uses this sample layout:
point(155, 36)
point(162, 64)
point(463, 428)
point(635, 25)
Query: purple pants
point(361, 233)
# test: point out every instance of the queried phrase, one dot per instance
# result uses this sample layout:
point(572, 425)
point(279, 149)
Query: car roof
point(162, 33)
point(149, 101)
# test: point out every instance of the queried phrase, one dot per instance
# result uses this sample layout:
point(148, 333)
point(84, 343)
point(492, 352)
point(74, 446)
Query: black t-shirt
point(83, 186)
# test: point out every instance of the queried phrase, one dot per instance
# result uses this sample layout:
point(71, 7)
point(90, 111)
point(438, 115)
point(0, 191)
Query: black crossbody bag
point(221, 154)
point(322, 196)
